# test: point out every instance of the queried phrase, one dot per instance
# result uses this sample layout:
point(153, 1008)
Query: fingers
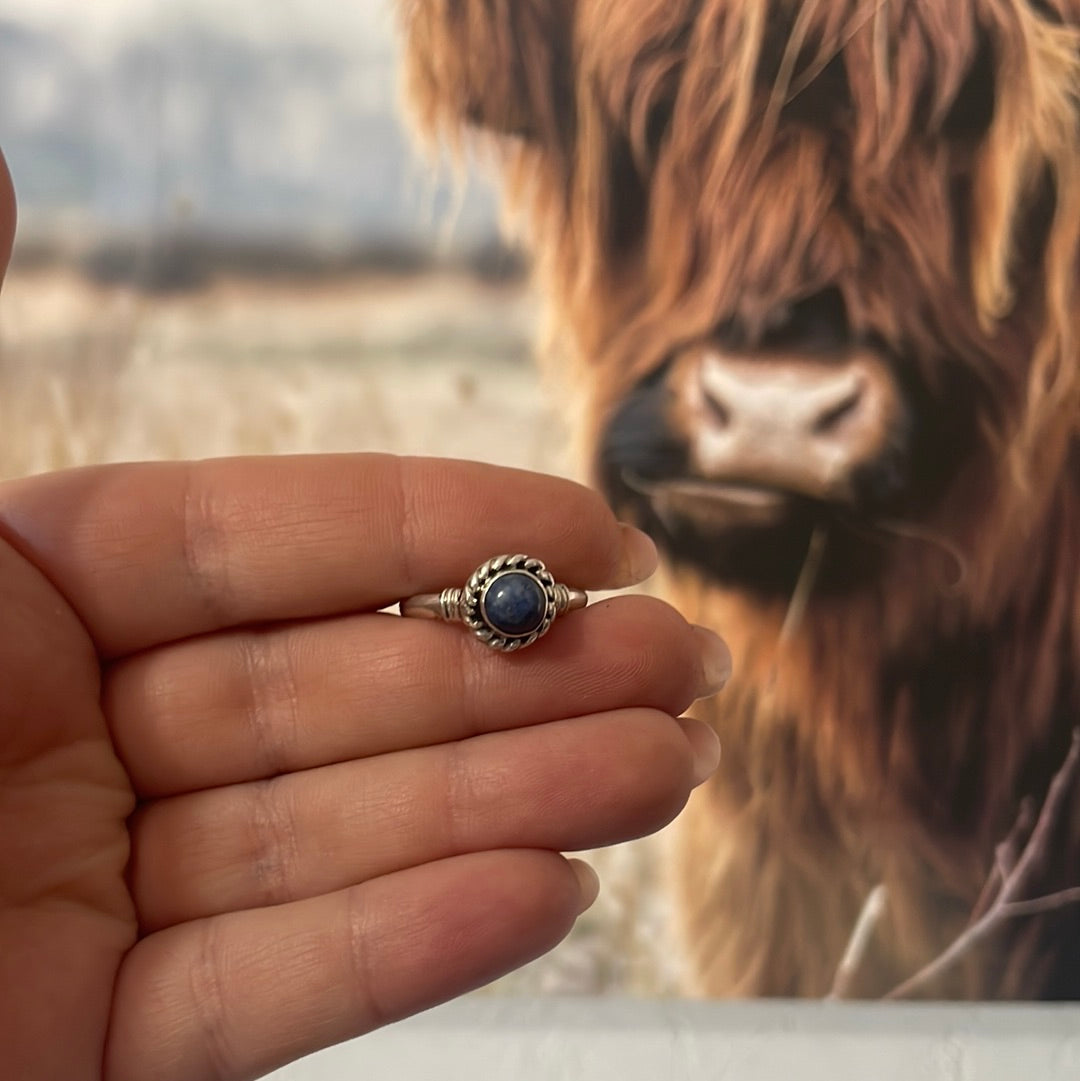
point(565, 786)
point(7, 216)
point(239, 995)
point(155, 553)
point(252, 704)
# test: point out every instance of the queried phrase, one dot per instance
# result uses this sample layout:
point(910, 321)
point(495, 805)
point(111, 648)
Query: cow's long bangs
point(923, 158)
point(684, 163)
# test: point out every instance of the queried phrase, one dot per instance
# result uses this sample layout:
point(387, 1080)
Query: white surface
point(493, 1039)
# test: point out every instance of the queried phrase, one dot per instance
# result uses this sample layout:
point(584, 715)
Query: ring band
point(509, 602)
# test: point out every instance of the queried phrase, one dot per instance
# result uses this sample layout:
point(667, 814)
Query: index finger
point(152, 553)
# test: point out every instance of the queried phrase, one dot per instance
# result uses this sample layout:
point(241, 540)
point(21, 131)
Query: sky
point(104, 21)
point(255, 116)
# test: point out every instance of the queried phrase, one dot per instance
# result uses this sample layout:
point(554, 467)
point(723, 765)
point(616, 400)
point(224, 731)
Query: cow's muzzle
point(762, 430)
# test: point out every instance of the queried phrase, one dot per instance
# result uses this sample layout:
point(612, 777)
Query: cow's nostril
point(717, 409)
point(835, 415)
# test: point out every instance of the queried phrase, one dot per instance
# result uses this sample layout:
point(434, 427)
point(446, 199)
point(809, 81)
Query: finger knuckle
point(273, 842)
point(272, 698)
point(210, 1006)
point(206, 547)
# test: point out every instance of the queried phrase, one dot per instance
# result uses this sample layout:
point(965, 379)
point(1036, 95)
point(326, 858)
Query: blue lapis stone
point(515, 605)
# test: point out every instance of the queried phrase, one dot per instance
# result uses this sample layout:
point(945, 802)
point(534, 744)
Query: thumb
point(7, 216)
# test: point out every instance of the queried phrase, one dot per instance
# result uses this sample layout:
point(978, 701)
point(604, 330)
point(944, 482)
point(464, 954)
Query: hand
point(243, 815)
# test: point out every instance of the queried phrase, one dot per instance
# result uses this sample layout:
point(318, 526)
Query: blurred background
point(228, 245)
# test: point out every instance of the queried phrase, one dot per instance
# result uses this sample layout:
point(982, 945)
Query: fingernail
point(588, 882)
point(705, 745)
point(716, 662)
point(639, 557)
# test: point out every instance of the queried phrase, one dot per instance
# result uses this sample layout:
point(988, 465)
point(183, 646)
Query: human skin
point(243, 815)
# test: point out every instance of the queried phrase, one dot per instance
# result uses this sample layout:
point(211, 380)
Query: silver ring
point(509, 603)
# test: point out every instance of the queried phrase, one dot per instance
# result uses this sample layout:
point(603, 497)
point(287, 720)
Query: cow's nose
point(792, 422)
point(817, 405)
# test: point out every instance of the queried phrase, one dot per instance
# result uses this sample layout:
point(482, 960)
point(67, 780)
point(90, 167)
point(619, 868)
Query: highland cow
point(815, 263)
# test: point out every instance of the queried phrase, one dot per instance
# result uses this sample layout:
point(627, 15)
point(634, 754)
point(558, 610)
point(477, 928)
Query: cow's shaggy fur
point(898, 179)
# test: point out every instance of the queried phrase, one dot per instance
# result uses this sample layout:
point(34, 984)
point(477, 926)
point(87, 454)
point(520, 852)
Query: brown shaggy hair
point(689, 171)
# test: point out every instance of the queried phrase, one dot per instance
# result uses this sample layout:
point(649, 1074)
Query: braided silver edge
point(471, 600)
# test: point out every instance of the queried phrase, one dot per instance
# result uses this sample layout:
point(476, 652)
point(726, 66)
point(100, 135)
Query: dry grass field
point(436, 364)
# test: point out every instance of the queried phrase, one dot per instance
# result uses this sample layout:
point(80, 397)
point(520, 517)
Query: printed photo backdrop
point(229, 246)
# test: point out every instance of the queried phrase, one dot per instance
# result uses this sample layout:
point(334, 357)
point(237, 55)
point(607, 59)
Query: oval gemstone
point(515, 604)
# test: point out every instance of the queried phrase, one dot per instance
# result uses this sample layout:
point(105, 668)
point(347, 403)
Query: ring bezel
point(481, 581)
